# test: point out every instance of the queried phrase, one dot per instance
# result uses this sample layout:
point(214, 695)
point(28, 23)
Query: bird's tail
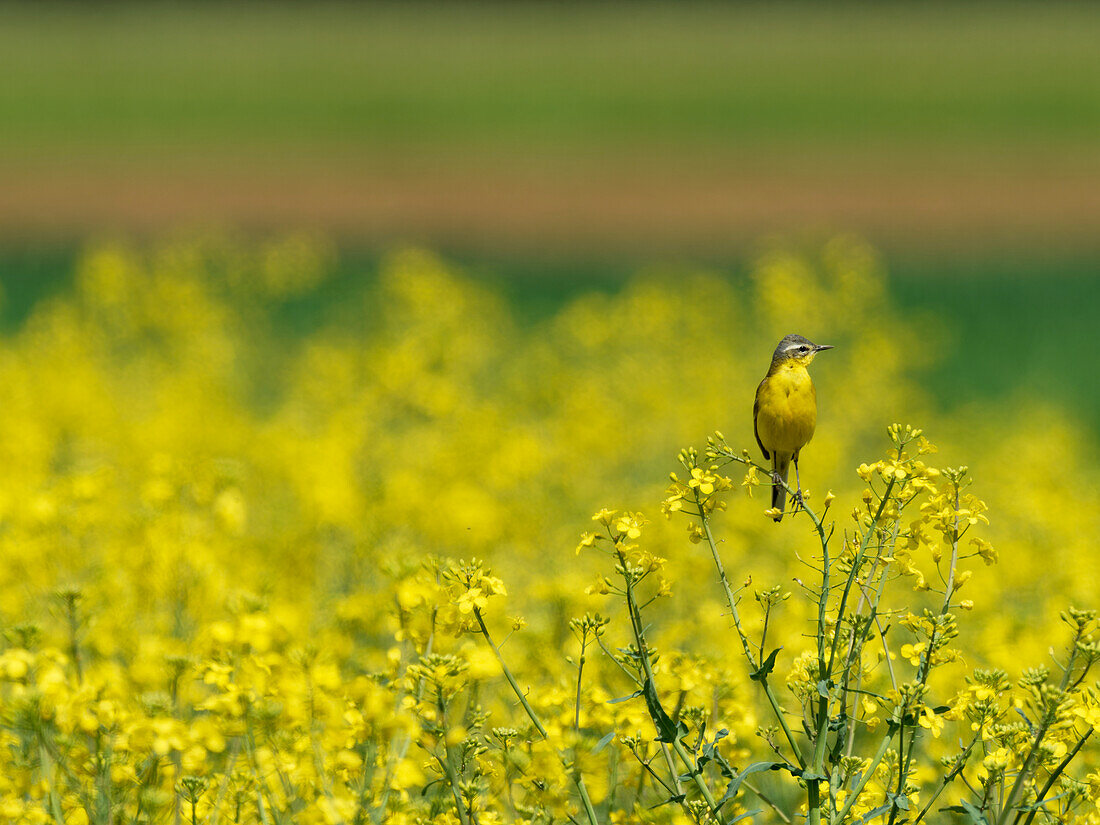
point(782, 463)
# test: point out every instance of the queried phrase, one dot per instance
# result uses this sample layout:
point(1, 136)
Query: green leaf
point(634, 695)
point(976, 816)
point(603, 743)
point(964, 807)
point(745, 815)
point(756, 767)
point(766, 667)
point(1040, 804)
point(671, 800)
point(667, 730)
point(877, 812)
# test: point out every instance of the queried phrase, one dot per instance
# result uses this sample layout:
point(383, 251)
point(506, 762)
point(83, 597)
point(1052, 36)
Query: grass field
point(535, 127)
point(558, 76)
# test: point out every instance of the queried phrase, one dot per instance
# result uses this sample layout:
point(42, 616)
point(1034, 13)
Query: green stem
point(580, 673)
point(856, 653)
point(261, 783)
point(764, 798)
point(856, 564)
point(696, 776)
point(813, 786)
point(926, 660)
point(1054, 777)
point(731, 601)
point(403, 749)
point(949, 778)
point(586, 800)
point(223, 786)
point(903, 764)
point(577, 778)
point(672, 772)
point(508, 675)
point(48, 770)
point(452, 777)
point(675, 774)
point(448, 762)
point(1033, 755)
point(825, 667)
point(863, 780)
point(643, 655)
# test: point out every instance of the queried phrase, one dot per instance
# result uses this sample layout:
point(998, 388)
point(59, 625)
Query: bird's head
point(797, 350)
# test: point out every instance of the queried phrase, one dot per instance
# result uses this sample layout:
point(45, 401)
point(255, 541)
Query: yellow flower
point(630, 524)
point(587, 540)
point(751, 480)
point(931, 722)
point(15, 664)
point(702, 481)
point(913, 652)
point(998, 760)
point(407, 774)
point(472, 598)
point(604, 516)
point(985, 550)
point(673, 504)
point(1089, 713)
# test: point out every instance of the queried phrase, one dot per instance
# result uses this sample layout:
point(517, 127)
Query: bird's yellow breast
point(786, 409)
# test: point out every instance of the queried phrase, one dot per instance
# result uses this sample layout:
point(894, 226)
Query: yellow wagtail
point(785, 413)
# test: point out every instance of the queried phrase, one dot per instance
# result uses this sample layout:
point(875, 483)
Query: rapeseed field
point(345, 569)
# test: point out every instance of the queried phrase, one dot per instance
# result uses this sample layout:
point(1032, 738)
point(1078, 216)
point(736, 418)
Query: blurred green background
point(558, 147)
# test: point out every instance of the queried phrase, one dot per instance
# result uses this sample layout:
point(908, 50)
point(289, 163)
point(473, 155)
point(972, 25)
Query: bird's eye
point(803, 348)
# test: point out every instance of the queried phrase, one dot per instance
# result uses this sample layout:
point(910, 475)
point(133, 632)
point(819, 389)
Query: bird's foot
point(796, 500)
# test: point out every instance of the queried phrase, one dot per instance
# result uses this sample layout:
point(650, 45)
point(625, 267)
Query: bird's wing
point(755, 429)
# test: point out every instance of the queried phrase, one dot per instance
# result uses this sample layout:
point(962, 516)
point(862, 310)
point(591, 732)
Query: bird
point(784, 414)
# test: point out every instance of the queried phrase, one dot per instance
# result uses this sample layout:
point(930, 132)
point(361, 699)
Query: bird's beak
point(820, 347)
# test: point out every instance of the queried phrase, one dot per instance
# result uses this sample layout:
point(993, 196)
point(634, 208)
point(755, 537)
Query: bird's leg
point(797, 497)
